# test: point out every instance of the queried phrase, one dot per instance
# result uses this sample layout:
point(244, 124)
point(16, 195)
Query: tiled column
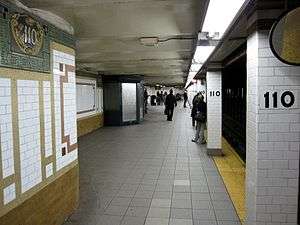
point(214, 113)
point(273, 136)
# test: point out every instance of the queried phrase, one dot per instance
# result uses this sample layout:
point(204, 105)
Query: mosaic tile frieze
point(12, 57)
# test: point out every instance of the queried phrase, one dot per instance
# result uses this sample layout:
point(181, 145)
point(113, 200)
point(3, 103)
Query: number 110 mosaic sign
point(27, 33)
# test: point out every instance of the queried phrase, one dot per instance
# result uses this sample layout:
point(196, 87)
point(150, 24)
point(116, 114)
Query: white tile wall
point(47, 118)
point(29, 133)
point(6, 132)
point(273, 137)
point(9, 193)
point(69, 108)
point(214, 110)
point(49, 170)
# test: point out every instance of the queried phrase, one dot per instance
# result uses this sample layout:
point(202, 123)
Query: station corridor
point(150, 174)
point(78, 147)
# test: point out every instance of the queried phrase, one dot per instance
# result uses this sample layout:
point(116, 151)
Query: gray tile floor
point(150, 174)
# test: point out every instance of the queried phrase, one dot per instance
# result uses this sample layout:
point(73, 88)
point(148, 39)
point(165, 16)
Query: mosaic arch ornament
point(285, 37)
point(27, 33)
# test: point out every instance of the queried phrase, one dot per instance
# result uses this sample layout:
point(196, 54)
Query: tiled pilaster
point(273, 135)
point(214, 113)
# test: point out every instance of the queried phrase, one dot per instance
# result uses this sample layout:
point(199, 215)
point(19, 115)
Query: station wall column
point(273, 135)
point(214, 113)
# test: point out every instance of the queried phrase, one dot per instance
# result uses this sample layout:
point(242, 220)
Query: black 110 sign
point(287, 99)
point(214, 93)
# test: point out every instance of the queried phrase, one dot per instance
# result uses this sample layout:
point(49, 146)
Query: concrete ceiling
point(108, 33)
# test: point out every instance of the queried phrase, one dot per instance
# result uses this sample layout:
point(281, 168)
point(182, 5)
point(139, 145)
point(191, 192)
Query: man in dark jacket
point(145, 101)
point(170, 104)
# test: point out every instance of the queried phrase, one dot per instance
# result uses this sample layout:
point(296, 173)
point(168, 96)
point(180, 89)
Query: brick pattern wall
point(214, 110)
point(29, 133)
point(47, 118)
point(6, 134)
point(273, 137)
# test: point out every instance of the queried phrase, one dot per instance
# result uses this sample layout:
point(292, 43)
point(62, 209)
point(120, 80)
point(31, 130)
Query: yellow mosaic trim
point(37, 188)
point(232, 169)
point(14, 75)
point(42, 129)
point(1, 179)
point(16, 140)
point(62, 48)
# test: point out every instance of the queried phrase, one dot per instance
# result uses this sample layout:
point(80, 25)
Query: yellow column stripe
point(42, 129)
point(16, 144)
point(1, 175)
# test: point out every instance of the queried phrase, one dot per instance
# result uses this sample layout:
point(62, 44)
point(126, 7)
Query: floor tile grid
point(215, 210)
point(153, 194)
point(169, 142)
point(178, 155)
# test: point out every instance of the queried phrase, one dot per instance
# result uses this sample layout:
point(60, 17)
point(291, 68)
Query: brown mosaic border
point(65, 138)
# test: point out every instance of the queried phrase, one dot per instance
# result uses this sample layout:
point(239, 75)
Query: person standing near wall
point(171, 103)
point(194, 108)
point(185, 98)
point(200, 117)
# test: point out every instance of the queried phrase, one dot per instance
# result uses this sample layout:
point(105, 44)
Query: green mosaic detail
point(41, 62)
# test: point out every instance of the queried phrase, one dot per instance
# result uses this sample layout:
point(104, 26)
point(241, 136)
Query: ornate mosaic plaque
point(28, 34)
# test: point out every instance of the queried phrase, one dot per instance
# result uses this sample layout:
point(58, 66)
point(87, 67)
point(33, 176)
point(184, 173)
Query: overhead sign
point(28, 34)
point(285, 37)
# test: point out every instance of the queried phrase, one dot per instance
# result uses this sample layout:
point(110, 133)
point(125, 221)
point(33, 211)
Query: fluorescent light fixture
point(191, 76)
point(195, 67)
point(220, 14)
point(202, 53)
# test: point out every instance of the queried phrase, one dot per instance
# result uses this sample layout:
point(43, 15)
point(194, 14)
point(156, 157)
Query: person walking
point(158, 98)
point(165, 96)
point(146, 101)
point(200, 117)
point(185, 98)
point(170, 105)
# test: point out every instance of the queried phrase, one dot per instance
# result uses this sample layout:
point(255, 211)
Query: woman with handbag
point(200, 117)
